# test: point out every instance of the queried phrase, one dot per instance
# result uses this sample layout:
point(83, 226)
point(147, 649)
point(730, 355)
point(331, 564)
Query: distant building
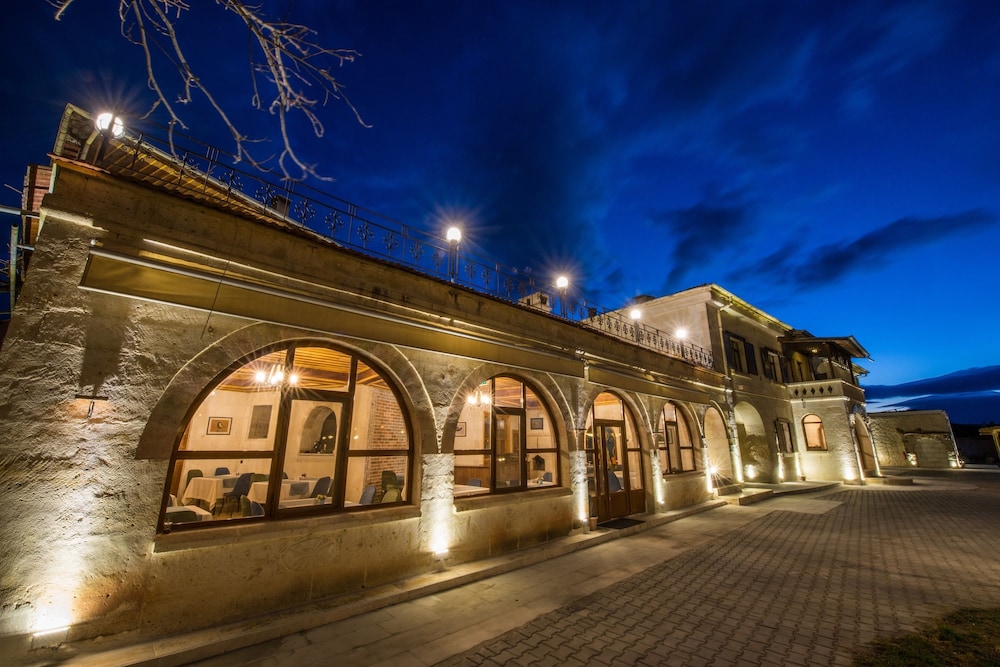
point(920, 438)
point(227, 397)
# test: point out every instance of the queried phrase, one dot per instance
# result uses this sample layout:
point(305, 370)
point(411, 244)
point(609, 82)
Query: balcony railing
point(187, 166)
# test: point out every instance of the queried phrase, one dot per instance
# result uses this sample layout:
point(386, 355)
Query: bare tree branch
point(284, 58)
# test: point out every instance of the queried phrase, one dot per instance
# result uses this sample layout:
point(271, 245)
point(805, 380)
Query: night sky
point(836, 164)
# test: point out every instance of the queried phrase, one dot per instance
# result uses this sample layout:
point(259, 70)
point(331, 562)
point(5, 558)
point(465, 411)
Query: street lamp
point(636, 315)
point(454, 237)
point(562, 282)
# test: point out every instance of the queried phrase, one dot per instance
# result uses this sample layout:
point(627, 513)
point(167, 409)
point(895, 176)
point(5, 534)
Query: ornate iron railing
point(186, 165)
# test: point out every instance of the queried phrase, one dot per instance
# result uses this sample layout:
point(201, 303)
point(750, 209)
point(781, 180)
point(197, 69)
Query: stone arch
point(755, 450)
point(171, 412)
point(550, 392)
point(717, 442)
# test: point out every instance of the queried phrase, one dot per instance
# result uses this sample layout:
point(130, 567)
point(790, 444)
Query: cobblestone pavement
point(794, 580)
point(801, 587)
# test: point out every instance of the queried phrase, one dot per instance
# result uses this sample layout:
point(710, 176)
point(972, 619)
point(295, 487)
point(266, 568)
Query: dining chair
point(547, 477)
point(322, 487)
point(259, 477)
point(241, 488)
point(194, 472)
point(475, 481)
point(250, 508)
point(392, 495)
point(368, 495)
point(222, 470)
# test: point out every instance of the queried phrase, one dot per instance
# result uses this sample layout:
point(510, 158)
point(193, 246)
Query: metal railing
point(197, 168)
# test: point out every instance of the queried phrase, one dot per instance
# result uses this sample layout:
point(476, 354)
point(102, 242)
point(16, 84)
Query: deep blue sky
point(836, 164)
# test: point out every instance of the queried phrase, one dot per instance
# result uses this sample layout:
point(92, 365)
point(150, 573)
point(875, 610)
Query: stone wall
point(86, 481)
point(921, 438)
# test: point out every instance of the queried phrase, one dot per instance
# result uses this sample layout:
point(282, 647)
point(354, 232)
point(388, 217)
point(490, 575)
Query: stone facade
point(140, 298)
point(919, 438)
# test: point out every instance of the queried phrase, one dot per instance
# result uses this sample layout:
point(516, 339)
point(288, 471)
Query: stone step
point(748, 496)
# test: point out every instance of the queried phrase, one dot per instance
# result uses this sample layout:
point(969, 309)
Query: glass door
point(509, 443)
point(608, 471)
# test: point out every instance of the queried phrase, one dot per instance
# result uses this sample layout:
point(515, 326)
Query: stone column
point(437, 504)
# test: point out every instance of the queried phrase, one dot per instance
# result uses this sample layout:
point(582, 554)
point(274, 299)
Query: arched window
point(306, 428)
point(675, 445)
point(815, 436)
point(505, 440)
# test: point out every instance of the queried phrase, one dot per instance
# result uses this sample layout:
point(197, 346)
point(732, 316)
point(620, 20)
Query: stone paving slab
point(799, 586)
point(794, 580)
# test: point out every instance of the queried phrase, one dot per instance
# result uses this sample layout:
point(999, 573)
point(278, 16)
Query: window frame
point(812, 433)
point(280, 444)
point(491, 442)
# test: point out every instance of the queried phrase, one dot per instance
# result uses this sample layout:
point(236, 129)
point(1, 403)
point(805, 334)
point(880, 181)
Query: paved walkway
point(793, 580)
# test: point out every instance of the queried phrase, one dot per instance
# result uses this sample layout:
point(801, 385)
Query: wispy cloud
point(828, 263)
point(986, 378)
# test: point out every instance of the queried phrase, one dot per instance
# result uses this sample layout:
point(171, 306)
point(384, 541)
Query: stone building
point(919, 438)
point(226, 397)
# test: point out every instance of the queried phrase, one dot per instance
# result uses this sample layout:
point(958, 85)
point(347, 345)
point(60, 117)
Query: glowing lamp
point(108, 120)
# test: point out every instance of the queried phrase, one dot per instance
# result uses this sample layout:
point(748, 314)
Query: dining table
point(201, 514)
point(208, 488)
point(469, 490)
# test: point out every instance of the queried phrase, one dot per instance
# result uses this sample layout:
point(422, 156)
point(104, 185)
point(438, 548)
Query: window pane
point(634, 469)
point(687, 459)
point(507, 393)
point(375, 480)
point(608, 406)
point(543, 466)
point(205, 488)
point(222, 421)
point(314, 432)
point(321, 368)
point(508, 451)
point(377, 421)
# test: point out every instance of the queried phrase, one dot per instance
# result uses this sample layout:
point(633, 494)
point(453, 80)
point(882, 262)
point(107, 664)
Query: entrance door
point(609, 478)
point(509, 439)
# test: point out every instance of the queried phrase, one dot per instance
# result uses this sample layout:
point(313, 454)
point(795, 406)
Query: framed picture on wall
point(220, 425)
point(536, 423)
point(460, 431)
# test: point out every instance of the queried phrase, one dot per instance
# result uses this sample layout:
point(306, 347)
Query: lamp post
point(562, 282)
point(636, 315)
point(109, 126)
point(454, 236)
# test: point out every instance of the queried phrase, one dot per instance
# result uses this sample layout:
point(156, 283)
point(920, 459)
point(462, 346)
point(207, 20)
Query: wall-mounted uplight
point(635, 314)
point(108, 120)
point(681, 333)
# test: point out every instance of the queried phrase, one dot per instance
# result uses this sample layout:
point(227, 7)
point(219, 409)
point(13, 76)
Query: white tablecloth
point(209, 489)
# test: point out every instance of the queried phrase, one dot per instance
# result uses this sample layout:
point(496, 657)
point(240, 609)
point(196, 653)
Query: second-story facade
point(794, 403)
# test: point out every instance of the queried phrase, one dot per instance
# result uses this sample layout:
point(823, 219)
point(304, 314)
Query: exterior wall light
point(681, 333)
